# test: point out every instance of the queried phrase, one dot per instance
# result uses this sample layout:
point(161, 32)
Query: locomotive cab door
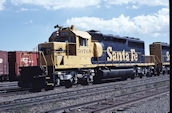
point(71, 45)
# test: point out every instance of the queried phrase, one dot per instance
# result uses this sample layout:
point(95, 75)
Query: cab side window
point(82, 41)
point(73, 39)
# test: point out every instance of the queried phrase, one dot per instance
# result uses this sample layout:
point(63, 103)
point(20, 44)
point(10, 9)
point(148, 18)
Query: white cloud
point(24, 9)
point(154, 25)
point(138, 2)
point(58, 4)
point(2, 4)
point(134, 7)
point(29, 22)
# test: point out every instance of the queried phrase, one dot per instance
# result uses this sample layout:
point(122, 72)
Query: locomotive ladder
point(49, 71)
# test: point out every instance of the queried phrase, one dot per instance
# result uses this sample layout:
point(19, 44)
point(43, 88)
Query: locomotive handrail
point(158, 59)
point(105, 57)
point(64, 51)
point(53, 63)
point(41, 53)
point(140, 57)
point(67, 44)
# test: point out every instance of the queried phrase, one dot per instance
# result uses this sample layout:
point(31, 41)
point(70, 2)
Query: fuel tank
point(114, 73)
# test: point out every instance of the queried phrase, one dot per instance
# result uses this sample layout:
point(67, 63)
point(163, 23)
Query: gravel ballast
point(160, 104)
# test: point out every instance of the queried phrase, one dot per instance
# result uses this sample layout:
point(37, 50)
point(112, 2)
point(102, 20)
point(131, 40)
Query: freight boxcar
point(19, 59)
point(3, 65)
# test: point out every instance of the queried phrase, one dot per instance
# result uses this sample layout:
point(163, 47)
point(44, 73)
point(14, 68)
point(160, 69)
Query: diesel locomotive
point(76, 57)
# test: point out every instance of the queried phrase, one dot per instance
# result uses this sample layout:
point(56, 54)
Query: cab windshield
point(62, 37)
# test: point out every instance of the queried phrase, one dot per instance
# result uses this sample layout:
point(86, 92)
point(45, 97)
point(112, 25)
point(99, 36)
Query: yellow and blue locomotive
point(72, 56)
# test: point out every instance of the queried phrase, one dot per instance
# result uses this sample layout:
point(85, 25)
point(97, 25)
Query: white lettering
point(134, 56)
point(109, 50)
point(26, 61)
point(121, 55)
point(168, 56)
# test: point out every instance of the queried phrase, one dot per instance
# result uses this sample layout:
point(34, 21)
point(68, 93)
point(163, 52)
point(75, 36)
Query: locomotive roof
point(162, 43)
point(98, 35)
point(81, 34)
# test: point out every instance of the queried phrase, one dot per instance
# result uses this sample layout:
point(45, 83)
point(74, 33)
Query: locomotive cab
point(67, 48)
point(161, 52)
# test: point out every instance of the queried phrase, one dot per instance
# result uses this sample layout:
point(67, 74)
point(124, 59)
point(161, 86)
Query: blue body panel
point(121, 45)
point(165, 53)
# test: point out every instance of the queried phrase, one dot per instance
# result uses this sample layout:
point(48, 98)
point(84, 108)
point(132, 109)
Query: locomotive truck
point(77, 57)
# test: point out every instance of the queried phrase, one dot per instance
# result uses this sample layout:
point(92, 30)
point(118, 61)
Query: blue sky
point(26, 23)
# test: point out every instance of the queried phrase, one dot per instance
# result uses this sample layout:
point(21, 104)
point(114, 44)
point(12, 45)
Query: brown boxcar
point(19, 59)
point(3, 65)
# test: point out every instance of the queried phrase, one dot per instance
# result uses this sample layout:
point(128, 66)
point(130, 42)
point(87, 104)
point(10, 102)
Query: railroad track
point(7, 92)
point(13, 91)
point(10, 89)
point(3, 83)
point(110, 105)
point(121, 102)
point(80, 93)
point(6, 85)
point(153, 87)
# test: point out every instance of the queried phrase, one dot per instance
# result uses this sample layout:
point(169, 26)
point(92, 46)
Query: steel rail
point(111, 106)
point(65, 95)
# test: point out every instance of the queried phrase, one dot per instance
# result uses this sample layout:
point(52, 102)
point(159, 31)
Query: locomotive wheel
point(140, 75)
point(68, 84)
point(84, 81)
point(148, 74)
